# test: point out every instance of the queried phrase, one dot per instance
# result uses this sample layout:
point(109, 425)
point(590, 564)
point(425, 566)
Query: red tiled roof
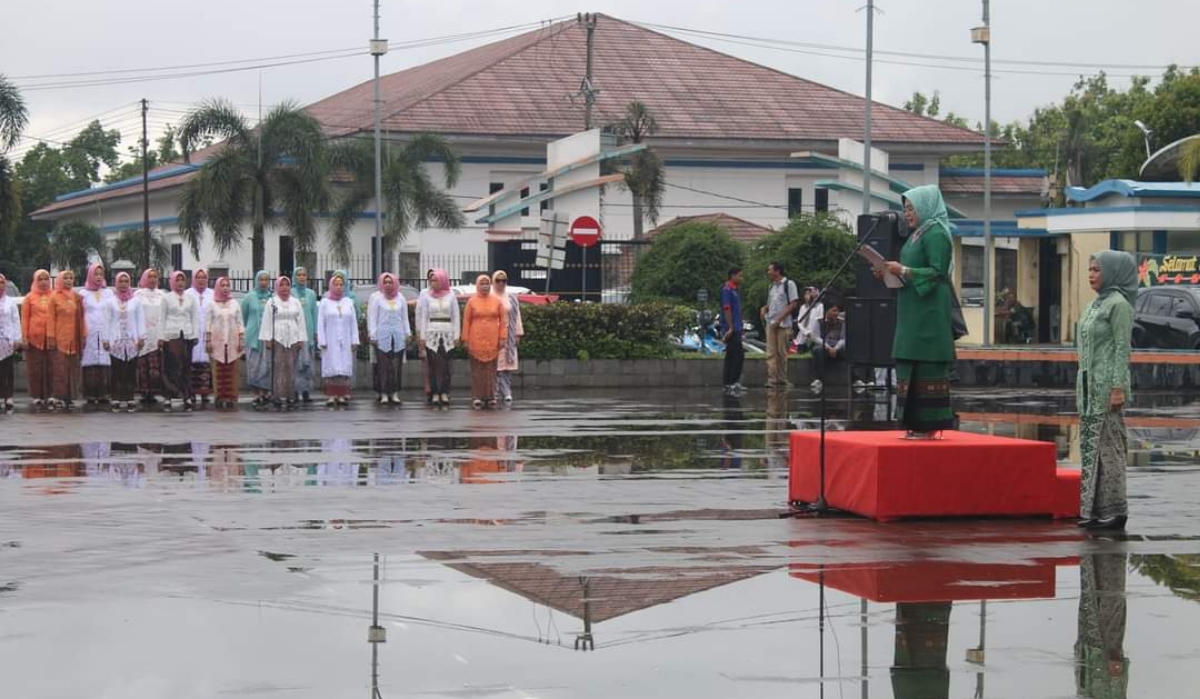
point(522, 86)
point(971, 185)
point(737, 228)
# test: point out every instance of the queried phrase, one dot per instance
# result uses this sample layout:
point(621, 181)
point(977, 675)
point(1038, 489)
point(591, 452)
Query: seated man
point(829, 343)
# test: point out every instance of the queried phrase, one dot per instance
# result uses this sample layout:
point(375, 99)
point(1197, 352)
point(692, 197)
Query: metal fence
point(409, 268)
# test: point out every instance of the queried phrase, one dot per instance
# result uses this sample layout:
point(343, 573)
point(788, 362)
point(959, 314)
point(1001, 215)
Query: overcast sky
point(73, 36)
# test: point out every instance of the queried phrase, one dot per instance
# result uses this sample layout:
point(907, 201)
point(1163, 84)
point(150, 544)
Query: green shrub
point(683, 260)
point(810, 248)
point(601, 331)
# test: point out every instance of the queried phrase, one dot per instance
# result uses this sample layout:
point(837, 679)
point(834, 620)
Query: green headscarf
point(262, 295)
point(1119, 273)
point(930, 207)
point(308, 301)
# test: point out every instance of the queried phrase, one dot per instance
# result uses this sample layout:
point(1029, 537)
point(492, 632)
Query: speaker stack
point(871, 311)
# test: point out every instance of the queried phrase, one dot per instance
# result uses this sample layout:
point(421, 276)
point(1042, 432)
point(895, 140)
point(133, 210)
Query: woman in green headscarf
point(258, 368)
point(924, 343)
point(308, 301)
point(1103, 339)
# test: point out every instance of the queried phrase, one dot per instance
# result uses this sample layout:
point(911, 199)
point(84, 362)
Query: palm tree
point(73, 243)
point(273, 173)
point(13, 118)
point(128, 246)
point(645, 176)
point(411, 197)
point(1189, 160)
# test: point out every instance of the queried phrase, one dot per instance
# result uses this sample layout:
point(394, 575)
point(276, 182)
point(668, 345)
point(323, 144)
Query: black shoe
point(1086, 523)
point(1117, 522)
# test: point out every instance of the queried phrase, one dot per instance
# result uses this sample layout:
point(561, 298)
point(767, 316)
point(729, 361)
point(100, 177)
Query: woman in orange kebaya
point(69, 333)
point(485, 329)
point(37, 326)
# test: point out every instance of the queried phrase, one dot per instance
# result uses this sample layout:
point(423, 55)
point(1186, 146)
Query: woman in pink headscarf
point(438, 333)
point(126, 337)
point(225, 341)
point(181, 331)
point(389, 333)
point(10, 342)
point(150, 357)
point(97, 301)
point(283, 333)
point(201, 370)
point(338, 340)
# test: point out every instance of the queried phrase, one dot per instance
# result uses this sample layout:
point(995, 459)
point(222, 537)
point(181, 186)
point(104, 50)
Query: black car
point(1166, 318)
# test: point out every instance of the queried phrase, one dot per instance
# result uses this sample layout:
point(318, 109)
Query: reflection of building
point(919, 670)
point(590, 597)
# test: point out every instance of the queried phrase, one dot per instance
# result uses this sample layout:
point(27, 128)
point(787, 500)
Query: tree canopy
point(683, 260)
point(810, 248)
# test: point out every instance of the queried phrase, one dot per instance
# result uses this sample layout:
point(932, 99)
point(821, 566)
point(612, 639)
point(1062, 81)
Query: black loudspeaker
point(885, 231)
point(870, 326)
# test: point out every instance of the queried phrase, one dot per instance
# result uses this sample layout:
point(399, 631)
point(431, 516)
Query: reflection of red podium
point(881, 476)
point(936, 581)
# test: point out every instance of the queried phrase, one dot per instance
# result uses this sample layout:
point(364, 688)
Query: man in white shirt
point(782, 300)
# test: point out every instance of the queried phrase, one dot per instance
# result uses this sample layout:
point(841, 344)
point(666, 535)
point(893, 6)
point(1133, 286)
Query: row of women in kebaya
point(186, 346)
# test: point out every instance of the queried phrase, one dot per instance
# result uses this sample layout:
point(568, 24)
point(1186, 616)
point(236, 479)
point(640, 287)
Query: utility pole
point(378, 48)
point(983, 35)
point(145, 188)
point(588, 20)
point(866, 206)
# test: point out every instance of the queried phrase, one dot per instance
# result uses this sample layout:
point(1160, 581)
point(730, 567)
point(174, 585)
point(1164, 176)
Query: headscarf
point(176, 275)
point(297, 284)
point(334, 294)
point(60, 281)
point(3, 286)
point(1119, 274)
point(222, 295)
point(196, 280)
point(395, 285)
point(34, 291)
point(144, 280)
point(262, 295)
point(90, 284)
point(927, 201)
point(500, 274)
point(283, 295)
point(128, 293)
point(478, 284)
point(443, 282)
point(349, 290)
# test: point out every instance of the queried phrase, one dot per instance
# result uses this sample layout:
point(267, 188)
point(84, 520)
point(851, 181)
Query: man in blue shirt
point(731, 331)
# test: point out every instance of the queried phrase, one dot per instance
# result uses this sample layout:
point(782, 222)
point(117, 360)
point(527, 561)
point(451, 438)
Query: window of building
point(494, 187)
point(410, 269)
point(545, 202)
point(1182, 242)
point(822, 200)
point(1137, 241)
point(795, 201)
point(177, 256)
point(525, 193)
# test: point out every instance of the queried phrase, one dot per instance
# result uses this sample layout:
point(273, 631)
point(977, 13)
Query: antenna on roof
point(586, 88)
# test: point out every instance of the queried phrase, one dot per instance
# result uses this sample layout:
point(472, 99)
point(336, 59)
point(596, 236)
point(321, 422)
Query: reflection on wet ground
point(602, 546)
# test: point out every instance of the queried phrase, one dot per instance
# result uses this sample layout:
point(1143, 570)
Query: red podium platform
point(885, 477)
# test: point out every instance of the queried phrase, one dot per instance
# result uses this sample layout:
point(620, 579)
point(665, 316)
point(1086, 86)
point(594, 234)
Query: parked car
point(1166, 318)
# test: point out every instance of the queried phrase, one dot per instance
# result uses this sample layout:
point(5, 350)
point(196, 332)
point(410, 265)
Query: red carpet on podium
point(885, 477)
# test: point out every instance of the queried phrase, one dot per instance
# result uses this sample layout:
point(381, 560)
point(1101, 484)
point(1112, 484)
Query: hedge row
point(601, 331)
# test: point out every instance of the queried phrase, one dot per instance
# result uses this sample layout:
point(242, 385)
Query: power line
point(910, 54)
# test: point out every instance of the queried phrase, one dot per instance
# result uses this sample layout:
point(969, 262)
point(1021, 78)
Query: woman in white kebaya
point(338, 339)
point(283, 333)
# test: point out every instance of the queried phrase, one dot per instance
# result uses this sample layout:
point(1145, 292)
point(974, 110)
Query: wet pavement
point(578, 545)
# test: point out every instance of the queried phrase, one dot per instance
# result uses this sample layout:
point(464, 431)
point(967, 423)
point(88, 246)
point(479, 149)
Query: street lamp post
point(983, 35)
point(379, 47)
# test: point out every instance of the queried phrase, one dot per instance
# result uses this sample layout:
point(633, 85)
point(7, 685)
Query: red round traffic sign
point(585, 231)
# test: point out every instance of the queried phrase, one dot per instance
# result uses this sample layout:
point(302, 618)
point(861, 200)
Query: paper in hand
point(872, 256)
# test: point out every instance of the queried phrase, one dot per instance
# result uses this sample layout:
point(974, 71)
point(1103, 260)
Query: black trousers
point(735, 357)
point(822, 362)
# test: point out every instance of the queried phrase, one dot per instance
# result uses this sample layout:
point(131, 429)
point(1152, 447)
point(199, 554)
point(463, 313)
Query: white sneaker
point(508, 399)
point(396, 397)
point(817, 386)
point(381, 399)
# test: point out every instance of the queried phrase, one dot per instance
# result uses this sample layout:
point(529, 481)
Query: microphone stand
point(821, 506)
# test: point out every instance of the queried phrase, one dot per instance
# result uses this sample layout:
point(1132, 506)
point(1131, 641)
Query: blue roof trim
point(1133, 188)
point(748, 164)
point(996, 172)
point(1076, 211)
point(907, 167)
point(179, 170)
point(137, 225)
point(499, 160)
point(1006, 228)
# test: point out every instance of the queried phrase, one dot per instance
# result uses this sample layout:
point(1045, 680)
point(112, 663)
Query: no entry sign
point(585, 231)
